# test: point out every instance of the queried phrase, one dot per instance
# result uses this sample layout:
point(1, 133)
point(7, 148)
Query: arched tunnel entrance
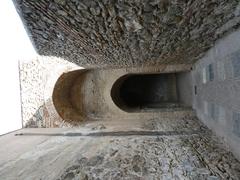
point(68, 95)
point(83, 95)
point(142, 91)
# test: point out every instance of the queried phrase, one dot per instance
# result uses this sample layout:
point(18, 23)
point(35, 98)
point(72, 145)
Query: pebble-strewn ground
point(184, 149)
point(156, 158)
point(197, 156)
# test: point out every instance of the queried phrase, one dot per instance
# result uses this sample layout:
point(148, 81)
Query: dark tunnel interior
point(146, 90)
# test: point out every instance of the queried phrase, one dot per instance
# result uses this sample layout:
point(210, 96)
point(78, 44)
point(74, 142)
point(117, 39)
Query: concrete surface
point(183, 149)
point(185, 88)
point(217, 101)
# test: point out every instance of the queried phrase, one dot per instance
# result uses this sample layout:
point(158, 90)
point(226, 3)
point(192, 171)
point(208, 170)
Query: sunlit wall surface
point(14, 46)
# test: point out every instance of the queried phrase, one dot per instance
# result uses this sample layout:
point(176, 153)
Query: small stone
point(95, 11)
point(99, 127)
point(69, 176)
point(82, 162)
point(113, 153)
point(132, 25)
point(62, 13)
point(136, 168)
point(82, 176)
point(203, 171)
point(152, 170)
point(61, 2)
point(95, 161)
point(212, 178)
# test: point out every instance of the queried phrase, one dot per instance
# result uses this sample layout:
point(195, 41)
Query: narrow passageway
point(120, 90)
point(148, 90)
point(139, 92)
point(183, 148)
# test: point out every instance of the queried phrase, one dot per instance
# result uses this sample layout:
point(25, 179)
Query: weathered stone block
point(236, 64)
point(236, 123)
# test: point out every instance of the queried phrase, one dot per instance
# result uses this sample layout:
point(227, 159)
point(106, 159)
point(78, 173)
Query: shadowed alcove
point(135, 92)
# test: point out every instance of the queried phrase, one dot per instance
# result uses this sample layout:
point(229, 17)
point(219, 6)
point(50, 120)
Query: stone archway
point(133, 92)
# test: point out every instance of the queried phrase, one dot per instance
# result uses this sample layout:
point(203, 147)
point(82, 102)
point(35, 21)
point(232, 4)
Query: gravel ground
point(183, 149)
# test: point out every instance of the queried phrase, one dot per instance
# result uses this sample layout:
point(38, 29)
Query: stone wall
point(42, 76)
point(184, 87)
point(216, 80)
point(37, 78)
point(88, 96)
point(126, 33)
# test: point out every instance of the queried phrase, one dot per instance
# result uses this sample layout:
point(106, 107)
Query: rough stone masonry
point(123, 33)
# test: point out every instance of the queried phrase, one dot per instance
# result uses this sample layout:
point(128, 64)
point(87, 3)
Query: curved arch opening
point(137, 92)
point(67, 93)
